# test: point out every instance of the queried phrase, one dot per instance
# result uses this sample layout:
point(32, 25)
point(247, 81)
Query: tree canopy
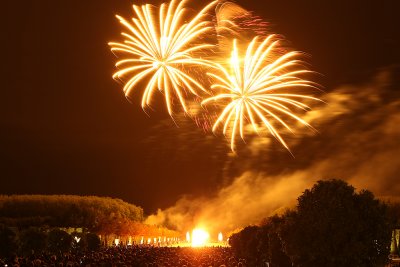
point(332, 225)
point(340, 227)
point(99, 214)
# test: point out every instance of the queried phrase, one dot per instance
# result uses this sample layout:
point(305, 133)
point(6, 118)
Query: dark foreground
point(135, 256)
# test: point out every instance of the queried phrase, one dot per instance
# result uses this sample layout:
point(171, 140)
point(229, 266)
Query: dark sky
point(66, 126)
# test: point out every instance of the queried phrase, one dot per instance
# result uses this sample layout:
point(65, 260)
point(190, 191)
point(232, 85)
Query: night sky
point(67, 128)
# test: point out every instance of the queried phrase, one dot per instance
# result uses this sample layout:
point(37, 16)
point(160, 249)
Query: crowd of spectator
point(133, 256)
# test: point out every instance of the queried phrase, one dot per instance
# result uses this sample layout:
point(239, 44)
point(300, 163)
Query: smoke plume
point(358, 141)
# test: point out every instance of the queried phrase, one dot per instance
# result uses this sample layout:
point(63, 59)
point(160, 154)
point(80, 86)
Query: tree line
point(100, 215)
point(96, 214)
point(332, 225)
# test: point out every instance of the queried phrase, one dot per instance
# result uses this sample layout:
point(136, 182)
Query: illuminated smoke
point(359, 128)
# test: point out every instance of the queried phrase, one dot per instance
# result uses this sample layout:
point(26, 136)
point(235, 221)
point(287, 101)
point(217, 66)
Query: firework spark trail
point(162, 48)
point(257, 89)
point(235, 22)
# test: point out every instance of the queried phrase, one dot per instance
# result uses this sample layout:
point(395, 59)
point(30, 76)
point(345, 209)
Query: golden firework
point(161, 47)
point(256, 89)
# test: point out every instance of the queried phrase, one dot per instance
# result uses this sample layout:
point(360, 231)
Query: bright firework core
point(199, 237)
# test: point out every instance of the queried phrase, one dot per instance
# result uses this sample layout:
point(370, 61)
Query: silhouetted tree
point(335, 226)
point(8, 244)
point(245, 243)
point(32, 241)
point(331, 226)
point(59, 241)
point(270, 246)
point(261, 244)
point(93, 241)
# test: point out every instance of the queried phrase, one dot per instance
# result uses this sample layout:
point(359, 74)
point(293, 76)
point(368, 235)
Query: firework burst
point(160, 48)
point(257, 89)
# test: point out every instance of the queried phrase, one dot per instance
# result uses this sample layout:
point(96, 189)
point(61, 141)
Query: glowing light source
point(187, 236)
point(77, 239)
point(220, 237)
point(199, 237)
point(116, 241)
